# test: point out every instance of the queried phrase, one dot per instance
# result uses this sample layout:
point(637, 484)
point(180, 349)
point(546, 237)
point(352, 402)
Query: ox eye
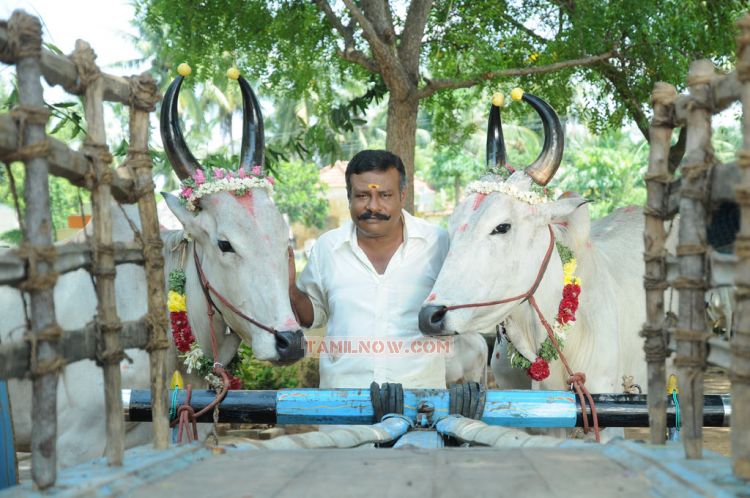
point(501, 228)
point(225, 246)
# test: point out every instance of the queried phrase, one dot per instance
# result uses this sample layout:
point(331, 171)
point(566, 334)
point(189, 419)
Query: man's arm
point(301, 303)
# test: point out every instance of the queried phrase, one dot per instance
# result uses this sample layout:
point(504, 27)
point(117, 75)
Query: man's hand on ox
point(301, 305)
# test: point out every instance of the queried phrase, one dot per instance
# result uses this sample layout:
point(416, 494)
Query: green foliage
point(12, 237)
point(299, 193)
point(177, 281)
point(65, 199)
point(607, 170)
point(257, 374)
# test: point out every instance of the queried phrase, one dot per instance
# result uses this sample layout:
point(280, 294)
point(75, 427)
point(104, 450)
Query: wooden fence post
point(103, 268)
point(25, 38)
point(144, 96)
point(691, 332)
point(658, 178)
point(740, 346)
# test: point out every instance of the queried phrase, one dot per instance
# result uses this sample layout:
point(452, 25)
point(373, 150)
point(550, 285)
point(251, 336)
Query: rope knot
point(578, 378)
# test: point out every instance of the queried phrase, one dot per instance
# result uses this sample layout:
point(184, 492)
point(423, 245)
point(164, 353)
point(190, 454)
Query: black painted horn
point(182, 160)
point(545, 165)
point(253, 143)
point(496, 156)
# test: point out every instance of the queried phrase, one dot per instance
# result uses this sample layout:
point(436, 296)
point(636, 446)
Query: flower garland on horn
point(213, 180)
point(182, 334)
point(566, 314)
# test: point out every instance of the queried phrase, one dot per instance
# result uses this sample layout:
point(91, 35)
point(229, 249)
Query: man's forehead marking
point(373, 185)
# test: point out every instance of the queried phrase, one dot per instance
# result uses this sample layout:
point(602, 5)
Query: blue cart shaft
point(8, 469)
point(352, 406)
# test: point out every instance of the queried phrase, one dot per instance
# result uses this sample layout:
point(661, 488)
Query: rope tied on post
point(104, 356)
point(144, 93)
point(84, 59)
point(36, 280)
point(24, 38)
point(136, 161)
point(655, 350)
point(37, 369)
point(25, 115)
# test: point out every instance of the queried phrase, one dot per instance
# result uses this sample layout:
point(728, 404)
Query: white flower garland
point(239, 186)
point(527, 196)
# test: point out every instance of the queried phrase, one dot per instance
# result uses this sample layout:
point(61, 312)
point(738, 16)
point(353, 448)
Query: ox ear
point(569, 216)
point(183, 215)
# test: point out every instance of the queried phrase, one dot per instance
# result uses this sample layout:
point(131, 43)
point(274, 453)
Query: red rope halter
point(576, 380)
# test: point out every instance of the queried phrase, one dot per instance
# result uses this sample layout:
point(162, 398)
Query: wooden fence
point(703, 183)
point(34, 267)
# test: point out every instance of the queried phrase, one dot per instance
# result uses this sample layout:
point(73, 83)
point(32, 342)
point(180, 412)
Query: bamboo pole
point(144, 96)
point(691, 332)
point(104, 265)
point(655, 281)
point(740, 346)
point(25, 36)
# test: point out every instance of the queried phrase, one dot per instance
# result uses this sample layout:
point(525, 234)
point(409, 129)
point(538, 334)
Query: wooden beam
point(70, 257)
point(59, 70)
point(75, 345)
point(63, 161)
point(723, 92)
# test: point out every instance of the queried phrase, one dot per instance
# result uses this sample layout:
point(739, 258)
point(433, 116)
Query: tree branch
point(434, 86)
point(359, 57)
point(411, 37)
point(347, 33)
point(389, 66)
point(379, 14)
point(632, 104)
point(526, 30)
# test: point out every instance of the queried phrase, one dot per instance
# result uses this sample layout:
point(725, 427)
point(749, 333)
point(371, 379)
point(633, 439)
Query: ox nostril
point(431, 319)
point(438, 316)
point(282, 341)
point(290, 344)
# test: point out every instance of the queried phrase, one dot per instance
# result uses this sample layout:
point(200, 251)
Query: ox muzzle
point(290, 344)
point(432, 320)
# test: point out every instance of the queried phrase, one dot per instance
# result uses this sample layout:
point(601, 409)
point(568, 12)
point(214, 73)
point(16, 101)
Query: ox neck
point(178, 254)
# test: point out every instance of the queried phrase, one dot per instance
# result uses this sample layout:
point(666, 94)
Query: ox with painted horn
point(233, 251)
point(505, 274)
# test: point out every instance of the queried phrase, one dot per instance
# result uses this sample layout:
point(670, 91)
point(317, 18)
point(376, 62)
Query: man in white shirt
point(367, 280)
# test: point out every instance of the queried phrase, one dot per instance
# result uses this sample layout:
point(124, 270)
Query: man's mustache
point(369, 215)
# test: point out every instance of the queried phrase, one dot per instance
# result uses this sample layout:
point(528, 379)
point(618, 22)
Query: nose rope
point(576, 380)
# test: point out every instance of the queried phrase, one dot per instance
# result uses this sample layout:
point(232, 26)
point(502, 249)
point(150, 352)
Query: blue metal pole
point(542, 409)
point(8, 469)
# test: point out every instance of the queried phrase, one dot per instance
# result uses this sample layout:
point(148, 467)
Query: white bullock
point(241, 242)
point(500, 236)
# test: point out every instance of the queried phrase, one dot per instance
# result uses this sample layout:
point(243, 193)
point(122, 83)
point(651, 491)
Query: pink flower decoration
point(229, 175)
point(242, 173)
point(271, 180)
point(256, 170)
point(186, 192)
point(199, 177)
point(218, 173)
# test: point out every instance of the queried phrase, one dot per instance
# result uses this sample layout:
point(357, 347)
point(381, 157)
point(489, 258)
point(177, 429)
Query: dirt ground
point(714, 438)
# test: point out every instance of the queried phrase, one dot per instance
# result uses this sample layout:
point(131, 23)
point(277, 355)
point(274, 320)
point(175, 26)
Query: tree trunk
point(401, 132)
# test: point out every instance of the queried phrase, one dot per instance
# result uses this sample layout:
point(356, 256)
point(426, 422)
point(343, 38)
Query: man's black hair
point(374, 160)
